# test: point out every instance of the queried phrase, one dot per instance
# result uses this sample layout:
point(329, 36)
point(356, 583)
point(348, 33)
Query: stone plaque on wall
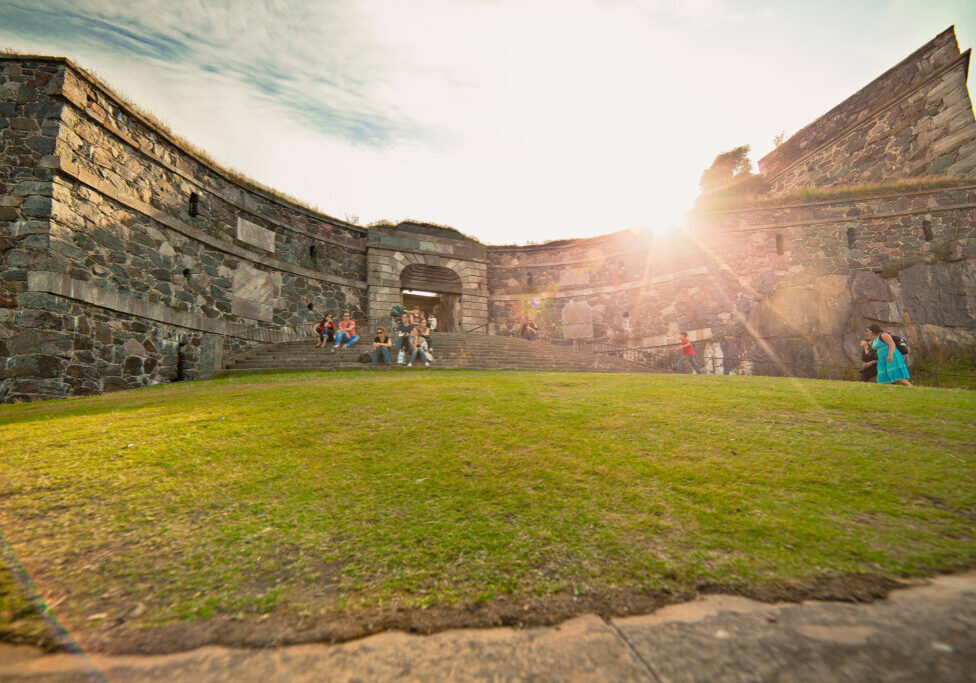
point(577, 320)
point(255, 235)
point(254, 293)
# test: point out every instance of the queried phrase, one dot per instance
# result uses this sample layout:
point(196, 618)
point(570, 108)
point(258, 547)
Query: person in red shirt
point(687, 355)
point(325, 330)
point(347, 331)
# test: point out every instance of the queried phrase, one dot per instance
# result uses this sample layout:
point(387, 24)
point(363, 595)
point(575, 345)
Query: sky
point(514, 121)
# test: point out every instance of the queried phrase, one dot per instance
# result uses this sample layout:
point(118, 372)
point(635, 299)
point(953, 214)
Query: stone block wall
point(914, 120)
point(102, 135)
point(602, 288)
point(29, 123)
point(55, 347)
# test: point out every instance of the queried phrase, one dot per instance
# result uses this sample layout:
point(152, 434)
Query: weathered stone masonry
point(128, 260)
point(96, 225)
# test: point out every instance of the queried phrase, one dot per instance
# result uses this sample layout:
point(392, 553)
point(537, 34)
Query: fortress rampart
point(914, 120)
point(127, 259)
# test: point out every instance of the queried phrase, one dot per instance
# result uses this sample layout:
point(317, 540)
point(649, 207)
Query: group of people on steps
point(343, 332)
point(413, 337)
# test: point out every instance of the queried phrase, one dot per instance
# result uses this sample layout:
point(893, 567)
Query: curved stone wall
point(96, 226)
point(129, 260)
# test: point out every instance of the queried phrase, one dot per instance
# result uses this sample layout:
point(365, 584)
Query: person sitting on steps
point(425, 333)
point(381, 345)
point(319, 330)
point(403, 331)
point(419, 347)
point(530, 331)
point(347, 332)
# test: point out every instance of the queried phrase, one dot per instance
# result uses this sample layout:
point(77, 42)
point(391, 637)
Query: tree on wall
point(731, 165)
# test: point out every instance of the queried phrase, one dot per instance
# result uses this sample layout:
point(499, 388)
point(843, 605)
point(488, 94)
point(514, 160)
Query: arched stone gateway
point(448, 270)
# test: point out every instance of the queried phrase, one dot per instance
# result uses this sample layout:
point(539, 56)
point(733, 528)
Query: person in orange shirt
point(347, 331)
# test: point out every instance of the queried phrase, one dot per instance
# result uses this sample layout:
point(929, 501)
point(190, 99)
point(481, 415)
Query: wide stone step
point(451, 351)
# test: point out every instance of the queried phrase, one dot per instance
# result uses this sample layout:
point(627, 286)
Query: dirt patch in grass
point(847, 588)
point(20, 621)
point(273, 630)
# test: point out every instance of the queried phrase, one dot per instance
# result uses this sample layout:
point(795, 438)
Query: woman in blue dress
point(891, 364)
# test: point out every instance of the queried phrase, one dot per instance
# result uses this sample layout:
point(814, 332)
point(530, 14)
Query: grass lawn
point(325, 494)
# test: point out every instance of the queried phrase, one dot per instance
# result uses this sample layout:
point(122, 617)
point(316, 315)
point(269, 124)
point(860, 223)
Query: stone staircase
point(451, 350)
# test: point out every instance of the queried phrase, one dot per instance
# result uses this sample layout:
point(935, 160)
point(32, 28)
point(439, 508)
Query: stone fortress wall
point(916, 119)
point(129, 260)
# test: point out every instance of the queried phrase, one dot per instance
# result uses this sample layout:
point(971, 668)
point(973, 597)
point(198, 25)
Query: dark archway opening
point(434, 290)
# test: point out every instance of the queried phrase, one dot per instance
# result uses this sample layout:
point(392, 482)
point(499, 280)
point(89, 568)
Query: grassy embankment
point(336, 492)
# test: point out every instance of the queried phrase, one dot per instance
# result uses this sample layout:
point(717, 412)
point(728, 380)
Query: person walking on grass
point(382, 345)
point(347, 332)
point(687, 355)
point(891, 364)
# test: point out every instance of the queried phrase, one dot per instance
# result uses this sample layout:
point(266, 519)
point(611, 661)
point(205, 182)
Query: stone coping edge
point(853, 199)
point(81, 175)
point(853, 219)
point(569, 293)
point(85, 292)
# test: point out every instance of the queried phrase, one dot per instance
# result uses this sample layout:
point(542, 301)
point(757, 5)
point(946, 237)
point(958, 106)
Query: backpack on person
point(900, 344)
